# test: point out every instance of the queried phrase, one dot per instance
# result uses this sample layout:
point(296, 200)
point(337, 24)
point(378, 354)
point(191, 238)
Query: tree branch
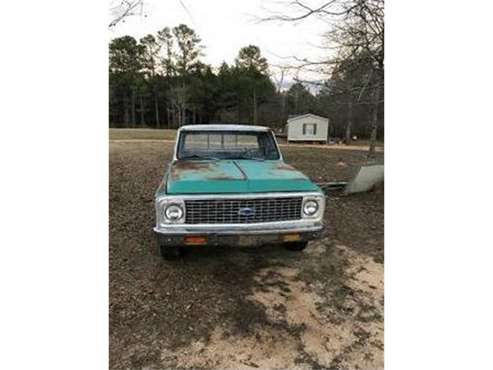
point(125, 9)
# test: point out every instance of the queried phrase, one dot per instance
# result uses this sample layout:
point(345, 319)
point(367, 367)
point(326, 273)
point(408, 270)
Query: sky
point(227, 25)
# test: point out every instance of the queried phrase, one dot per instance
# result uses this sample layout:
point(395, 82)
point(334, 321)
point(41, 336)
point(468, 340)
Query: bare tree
point(361, 32)
point(356, 29)
point(279, 82)
point(179, 97)
point(121, 9)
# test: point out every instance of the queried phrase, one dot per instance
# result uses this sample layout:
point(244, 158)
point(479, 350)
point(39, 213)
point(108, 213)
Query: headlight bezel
point(163, 204)
point(173, 208)
point(319, 199)
point(310, 207)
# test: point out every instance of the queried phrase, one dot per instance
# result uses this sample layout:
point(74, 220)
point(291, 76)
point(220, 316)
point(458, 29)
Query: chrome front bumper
point(240, 234)
point(254, 228)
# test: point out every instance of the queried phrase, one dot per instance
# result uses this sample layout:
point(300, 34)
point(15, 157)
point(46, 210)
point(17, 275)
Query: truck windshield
point(256, 145)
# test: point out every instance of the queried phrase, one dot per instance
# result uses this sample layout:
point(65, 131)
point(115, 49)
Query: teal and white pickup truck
point(228, 185)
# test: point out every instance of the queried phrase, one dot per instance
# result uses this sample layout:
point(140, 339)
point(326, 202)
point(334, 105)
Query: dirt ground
point(245, 308)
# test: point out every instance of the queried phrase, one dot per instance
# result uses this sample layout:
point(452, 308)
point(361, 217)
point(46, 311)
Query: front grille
point(227, 211)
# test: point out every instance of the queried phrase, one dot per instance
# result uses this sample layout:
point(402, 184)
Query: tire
point(296, 246)
point(170, 252)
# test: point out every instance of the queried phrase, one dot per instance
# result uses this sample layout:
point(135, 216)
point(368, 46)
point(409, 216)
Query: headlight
point(170, 210)
point(313, 206)
point(173, 212)
point(310, 207)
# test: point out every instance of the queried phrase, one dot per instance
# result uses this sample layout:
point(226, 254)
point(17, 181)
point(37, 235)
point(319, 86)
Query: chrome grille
point(227, 211)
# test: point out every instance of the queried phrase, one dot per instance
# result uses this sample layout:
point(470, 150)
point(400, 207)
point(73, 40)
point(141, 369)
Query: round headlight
point(173, 212)
point(310, 207)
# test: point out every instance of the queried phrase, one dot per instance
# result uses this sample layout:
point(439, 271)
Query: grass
point(141, 134)
point(366, 142)
point(170, 134)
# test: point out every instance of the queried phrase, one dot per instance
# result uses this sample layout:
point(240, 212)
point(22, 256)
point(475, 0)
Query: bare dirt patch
point(244, 307)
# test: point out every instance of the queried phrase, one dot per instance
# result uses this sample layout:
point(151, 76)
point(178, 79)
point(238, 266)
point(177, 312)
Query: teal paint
point(238, 176)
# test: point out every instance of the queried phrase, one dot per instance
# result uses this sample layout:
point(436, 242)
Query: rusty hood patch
point(191, 170)
point(235, 176)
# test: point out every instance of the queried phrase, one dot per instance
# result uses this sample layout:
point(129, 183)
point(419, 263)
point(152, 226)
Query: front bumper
point(240, 235)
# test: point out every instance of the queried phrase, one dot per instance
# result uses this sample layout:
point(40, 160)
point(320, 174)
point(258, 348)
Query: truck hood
point(234, 176)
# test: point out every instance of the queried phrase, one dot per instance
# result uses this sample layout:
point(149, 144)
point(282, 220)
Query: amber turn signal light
point(291, 237)
point(195, 240)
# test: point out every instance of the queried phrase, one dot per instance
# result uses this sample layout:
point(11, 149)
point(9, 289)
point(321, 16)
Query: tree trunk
point(283, 108)
point(169, 118)
point(349, 123)
point(296, 102)
point(179, 113)
point(142, 113)
point(239, 113)
point(132, 107)
point(126, 112)
point(374, 122)
point(328, 129)
point(156, 108)
point(255, 119)
point(183, 115)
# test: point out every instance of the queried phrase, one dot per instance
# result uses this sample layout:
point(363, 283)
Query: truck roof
point(223, 128)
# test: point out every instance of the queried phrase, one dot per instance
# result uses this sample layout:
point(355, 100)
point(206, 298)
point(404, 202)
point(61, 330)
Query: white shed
point(307, 127)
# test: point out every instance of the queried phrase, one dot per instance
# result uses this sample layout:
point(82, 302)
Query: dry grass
point(138, 134)
point(141, 134)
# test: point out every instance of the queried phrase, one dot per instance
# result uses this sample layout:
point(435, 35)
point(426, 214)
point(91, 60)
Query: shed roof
point(294, 118)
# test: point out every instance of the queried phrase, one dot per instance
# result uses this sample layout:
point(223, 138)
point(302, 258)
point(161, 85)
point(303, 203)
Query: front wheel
point(296, 246)
point(170, 252)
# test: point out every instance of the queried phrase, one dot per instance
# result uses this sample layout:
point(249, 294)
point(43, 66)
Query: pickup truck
point(228, 185)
